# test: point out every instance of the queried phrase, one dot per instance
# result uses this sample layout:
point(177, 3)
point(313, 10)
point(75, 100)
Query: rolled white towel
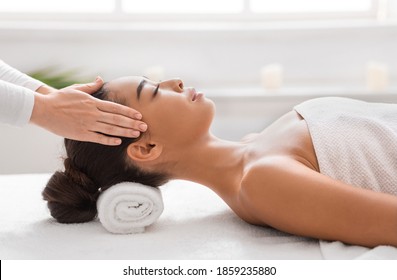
point(129, 207)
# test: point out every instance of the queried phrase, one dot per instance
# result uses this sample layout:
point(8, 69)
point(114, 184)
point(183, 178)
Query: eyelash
point(156, 90)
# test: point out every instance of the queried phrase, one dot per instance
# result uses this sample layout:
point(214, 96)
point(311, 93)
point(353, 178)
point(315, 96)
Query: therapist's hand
point(74, 114)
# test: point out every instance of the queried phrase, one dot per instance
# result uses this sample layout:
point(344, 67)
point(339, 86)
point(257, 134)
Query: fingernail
point(135, 133)
point(138, 116)
point(117, 141)
point(143, 127)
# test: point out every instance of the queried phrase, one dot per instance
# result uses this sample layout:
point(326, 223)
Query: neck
point(213, 162)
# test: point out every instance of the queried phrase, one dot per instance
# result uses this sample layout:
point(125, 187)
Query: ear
point(143, 151)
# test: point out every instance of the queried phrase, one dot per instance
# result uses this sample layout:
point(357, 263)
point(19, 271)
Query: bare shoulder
point(262, 184)
point(286, 194)
point(267, 170)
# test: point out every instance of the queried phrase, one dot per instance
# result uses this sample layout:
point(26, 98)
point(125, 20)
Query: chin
point(206, 116)
point(209, 108)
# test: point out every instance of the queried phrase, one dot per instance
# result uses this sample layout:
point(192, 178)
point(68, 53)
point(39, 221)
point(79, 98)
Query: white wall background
point(319, 59)
point(224, 56)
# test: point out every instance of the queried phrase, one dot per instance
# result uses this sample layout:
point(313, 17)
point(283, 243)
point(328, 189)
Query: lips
point(195, 95)
point(198, 96)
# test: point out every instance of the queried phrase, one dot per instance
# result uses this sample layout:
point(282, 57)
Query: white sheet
point(207, 229)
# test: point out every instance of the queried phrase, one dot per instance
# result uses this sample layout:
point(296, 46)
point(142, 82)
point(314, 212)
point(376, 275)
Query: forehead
point(125, 82)
point(124, 87)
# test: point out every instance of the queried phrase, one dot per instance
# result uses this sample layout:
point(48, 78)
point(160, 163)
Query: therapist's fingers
point(99, 138)
point(89, 88)
point(118, 109)
point(114, 121)
point(114, 130)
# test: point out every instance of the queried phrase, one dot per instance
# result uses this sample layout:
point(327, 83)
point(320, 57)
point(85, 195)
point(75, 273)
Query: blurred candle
point(272, 76)
point(155, 73)
point(377, 76)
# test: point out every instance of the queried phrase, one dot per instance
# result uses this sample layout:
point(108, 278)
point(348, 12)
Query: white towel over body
point(129, 207)
point(354, 141)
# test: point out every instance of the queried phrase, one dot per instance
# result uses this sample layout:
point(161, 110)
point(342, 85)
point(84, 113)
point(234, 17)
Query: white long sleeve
point(13, 76)
point(16, 104)
point(16, 95)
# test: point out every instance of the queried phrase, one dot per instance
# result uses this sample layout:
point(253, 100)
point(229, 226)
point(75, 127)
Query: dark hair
point(71, 194)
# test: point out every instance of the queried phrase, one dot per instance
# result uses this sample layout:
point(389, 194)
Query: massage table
point(195, 224)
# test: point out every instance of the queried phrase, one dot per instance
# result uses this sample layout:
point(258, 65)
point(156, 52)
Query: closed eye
point(155, 91)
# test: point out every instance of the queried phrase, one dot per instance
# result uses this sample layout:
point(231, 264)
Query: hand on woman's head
point(74, 114)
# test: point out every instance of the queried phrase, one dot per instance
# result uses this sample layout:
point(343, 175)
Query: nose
point(173, 84)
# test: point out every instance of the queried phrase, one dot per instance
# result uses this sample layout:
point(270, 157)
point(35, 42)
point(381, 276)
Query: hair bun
point(79, 178)
point(71, 195)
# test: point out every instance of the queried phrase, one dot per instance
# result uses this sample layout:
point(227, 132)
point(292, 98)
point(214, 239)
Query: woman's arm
point(289, 196)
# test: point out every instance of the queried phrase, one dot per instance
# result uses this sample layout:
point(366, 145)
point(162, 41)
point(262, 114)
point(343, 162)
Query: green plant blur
point(58, 79)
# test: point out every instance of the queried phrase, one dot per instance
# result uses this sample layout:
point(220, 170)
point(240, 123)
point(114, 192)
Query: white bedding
point(205, 228)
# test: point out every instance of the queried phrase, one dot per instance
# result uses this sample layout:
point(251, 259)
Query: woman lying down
point(327, 169)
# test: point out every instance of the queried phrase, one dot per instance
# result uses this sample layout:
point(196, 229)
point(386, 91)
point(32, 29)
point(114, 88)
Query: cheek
point(198, 119)
point(179, 122)
point(206, 112)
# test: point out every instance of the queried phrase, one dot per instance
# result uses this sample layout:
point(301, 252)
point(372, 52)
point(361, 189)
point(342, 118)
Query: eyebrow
point(141, 86)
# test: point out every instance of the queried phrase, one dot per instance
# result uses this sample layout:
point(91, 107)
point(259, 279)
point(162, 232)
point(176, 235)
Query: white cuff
point(16, 104)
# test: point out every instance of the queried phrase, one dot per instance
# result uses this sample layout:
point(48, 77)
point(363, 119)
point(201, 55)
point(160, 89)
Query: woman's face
point(174, 114)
